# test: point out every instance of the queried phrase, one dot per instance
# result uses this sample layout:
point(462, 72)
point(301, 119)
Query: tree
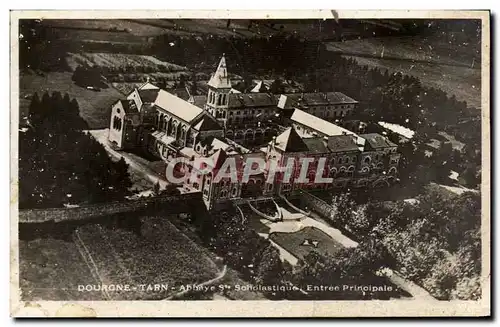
point(59, 164)
point(194, 86)
point(344, 206)
point(269, 271)
point(121, 178)
point(468, 288)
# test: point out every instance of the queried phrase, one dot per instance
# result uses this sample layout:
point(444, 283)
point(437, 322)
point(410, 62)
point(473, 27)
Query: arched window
point(332, 161)
point(367, 160)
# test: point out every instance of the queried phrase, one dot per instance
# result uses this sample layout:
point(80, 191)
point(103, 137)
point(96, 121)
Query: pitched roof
point(290, 141)
point(148, 86)
point(129, 106)
point(316, 98)
point(259, 87)
point(342, 143)
point(176, 106)
point(218, 158)
point(318, 124)
point(245, 100)
point(316, 145)
point(377, 141)
point(220, 79)
point(148, 95)
point(206, 122)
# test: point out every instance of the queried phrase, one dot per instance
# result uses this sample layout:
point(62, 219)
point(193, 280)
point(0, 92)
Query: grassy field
point(292, 242)
point(454, 68)
point(161, 255)
point(125, 28)
point(51, 269)
point(95, 107)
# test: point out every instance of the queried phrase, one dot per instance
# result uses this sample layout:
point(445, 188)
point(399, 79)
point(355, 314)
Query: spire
point(220, 79)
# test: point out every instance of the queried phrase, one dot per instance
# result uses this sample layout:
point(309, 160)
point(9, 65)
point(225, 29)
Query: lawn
point(51, 270)
point(292, 242)
point(161, 255)
point(95, 107)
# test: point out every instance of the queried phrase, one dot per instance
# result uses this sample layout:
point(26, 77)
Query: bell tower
point(219, 87)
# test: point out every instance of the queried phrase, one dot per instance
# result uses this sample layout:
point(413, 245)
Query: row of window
point(217, 99)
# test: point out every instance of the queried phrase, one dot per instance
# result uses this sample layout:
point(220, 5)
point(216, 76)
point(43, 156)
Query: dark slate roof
point(148, 95)
point(206, 122)
point(290, 141)
point(245, 100)
point(316, 145)
point(377, 141)
point(315, 99)
point(341, 143)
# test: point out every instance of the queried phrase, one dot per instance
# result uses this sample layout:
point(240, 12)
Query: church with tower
point(227, 123)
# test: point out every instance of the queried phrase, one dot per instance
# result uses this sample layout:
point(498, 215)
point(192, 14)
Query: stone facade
point(229, 121)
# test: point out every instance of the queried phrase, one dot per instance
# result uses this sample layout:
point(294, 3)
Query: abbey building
point(226, 123)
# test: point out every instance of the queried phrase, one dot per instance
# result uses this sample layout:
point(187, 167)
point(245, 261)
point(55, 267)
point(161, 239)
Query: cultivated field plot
point(119, 60)
point(302, 242)
point(160, 255)
point(51, 269)
point(125, 29)
point(435, 62)
point(95, 107)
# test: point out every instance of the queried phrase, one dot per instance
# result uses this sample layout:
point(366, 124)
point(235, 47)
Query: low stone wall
point(313, 203)
point(174, 204)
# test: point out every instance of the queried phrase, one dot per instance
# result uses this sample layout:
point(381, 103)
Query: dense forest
point(434, 240)
point(59, 164)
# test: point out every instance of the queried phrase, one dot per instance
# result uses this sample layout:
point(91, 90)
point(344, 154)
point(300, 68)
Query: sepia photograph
point(339, 159)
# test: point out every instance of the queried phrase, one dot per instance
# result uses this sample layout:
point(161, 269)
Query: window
point(354, 159)
point(118, 110)
point(367, 160)
point(117, 123)
point(238, 112)
point(233, 192)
